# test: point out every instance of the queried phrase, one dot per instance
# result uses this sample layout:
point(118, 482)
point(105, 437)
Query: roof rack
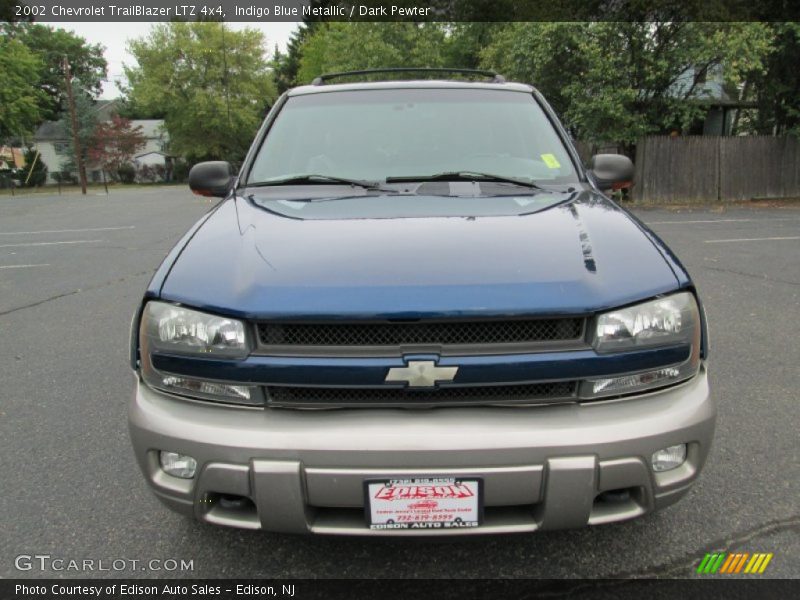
point(495, 77)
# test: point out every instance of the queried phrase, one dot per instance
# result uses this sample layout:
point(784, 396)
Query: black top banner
point(55, 11)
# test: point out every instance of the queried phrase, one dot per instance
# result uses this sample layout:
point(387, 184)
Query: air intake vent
point(444, 333)
point(538, 393)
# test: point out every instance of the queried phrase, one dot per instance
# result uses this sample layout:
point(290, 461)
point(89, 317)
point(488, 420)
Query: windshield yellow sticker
point(551, 161)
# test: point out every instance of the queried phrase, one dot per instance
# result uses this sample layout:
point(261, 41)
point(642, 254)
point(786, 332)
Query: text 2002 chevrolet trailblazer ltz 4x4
point(416, 313)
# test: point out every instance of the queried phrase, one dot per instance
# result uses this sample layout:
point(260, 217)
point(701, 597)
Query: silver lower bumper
point(542, 467)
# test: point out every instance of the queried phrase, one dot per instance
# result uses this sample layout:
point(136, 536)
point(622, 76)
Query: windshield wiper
point(466, 176)
point(316, 178)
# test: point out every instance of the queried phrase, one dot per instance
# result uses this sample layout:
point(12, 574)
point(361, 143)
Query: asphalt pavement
point(72, 270)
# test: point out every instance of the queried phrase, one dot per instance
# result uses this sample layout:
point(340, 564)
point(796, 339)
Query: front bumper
point(542, 467)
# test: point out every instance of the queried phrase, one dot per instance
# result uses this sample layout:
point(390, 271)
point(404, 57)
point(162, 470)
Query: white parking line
point(49, 243)
point(765, 239)
point(66, 230)
point(22, 266)
point(721, 221)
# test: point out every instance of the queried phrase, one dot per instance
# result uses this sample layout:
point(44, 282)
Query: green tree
point(776, 88)
point(126, 109)
point(51, 46)
point(615, 82)
point(543, 54)
point(210, 83)
point(466, 41)
point(19, 100)
point(286, 65)
point(315, 48)
point(351, 46)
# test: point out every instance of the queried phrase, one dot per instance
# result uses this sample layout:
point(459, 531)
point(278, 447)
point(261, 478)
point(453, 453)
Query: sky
point(114, 37)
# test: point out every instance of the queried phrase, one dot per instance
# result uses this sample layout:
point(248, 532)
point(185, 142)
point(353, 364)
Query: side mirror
point(212, 178)
point(610, 169)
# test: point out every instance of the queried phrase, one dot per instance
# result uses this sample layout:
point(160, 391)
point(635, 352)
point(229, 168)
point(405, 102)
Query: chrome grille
point(535, 393)
point(388, 334)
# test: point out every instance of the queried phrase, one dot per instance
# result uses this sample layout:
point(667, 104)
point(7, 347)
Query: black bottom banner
point(407, 589)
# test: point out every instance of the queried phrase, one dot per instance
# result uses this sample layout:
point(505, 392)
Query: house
point(720, 101)
point(11, 158)
point(52, 141)
point(153, 157)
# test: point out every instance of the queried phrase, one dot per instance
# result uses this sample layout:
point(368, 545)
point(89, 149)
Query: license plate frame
point(424, 503)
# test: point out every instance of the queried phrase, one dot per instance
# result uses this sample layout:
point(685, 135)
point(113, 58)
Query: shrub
point(65, 177)
point(180, 171)
point(151, 173)
point(7, 179)
point(126, 173)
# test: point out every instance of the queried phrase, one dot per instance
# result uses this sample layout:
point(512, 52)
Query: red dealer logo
point(412, 492)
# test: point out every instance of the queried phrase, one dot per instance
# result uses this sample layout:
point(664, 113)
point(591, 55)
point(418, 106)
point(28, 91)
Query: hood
point(577, 257)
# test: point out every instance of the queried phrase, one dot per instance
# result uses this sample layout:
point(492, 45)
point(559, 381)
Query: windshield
point(372, 135)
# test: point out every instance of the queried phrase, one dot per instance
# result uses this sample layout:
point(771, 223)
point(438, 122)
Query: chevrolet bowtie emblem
point(421, 373)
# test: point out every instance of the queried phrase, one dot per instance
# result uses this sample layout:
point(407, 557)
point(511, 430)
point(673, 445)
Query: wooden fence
point(716, 168)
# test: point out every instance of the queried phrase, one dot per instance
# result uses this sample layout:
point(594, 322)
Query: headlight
point(670, 320)
point(667, 321)
point(176, 330)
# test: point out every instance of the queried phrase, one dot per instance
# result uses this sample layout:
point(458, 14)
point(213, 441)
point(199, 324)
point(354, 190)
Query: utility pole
point(225, 77)
point(76, 142)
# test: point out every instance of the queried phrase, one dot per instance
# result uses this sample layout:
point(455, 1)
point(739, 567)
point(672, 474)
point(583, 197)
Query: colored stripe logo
point(731, 563)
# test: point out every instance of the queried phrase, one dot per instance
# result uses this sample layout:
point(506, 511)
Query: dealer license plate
point(433, 503)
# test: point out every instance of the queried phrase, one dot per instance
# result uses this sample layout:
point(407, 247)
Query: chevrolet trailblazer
point(415, 312)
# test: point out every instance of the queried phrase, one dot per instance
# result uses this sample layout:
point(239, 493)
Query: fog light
point(178, 465)
point(669, 458)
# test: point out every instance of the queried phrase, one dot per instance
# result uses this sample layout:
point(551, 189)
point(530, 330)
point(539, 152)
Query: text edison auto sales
point(126, 589)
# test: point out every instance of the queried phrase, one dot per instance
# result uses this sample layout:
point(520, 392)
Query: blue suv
point(415, 312)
